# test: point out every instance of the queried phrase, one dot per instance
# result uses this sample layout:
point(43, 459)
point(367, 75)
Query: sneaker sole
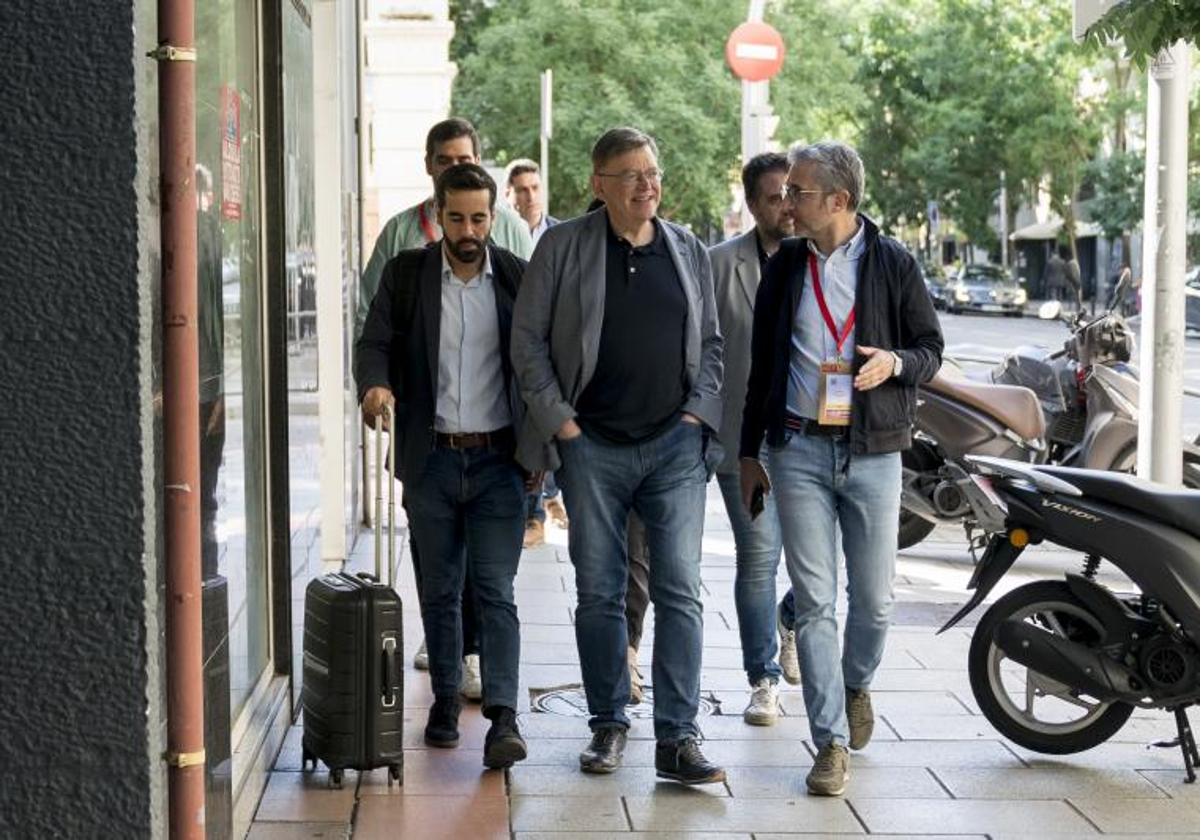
point(598, 769)
point(841, 790)
point(858, 744)
point(790, 680)
point(718, 776)
point(764, 719)
point(505, 753)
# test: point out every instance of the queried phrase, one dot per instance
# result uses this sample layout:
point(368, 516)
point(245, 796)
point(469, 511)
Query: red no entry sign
point(755, 51)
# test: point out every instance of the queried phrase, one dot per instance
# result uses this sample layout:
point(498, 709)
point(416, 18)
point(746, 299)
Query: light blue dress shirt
point(470, 386)
point(812, 342)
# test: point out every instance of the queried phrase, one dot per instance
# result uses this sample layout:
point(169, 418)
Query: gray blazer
point(735, 274)
point(557, 321)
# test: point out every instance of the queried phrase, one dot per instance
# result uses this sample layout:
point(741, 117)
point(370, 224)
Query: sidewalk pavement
point(935, 768)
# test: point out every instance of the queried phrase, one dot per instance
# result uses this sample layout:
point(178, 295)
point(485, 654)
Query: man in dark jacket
point(843, 333)
point(435, 346)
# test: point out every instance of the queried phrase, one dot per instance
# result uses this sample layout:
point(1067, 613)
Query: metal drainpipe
point(176, 58)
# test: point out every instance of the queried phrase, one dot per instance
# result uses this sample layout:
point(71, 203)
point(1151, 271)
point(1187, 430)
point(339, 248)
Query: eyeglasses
point(795, 194)
point(631, 177)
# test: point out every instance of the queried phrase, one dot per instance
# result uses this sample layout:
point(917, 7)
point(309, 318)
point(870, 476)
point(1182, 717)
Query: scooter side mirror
point(1051, 310)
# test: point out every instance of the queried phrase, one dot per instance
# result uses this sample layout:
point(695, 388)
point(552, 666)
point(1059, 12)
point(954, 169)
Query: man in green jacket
point(449, 142)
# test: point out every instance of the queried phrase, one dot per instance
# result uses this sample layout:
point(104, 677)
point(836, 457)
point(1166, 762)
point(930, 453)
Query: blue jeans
point(818, 484)
point(758, 544)
point(663, 480)
point(535, 503)
point(468, 511)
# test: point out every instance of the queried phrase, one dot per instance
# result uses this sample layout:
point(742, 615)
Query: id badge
point(836, 392)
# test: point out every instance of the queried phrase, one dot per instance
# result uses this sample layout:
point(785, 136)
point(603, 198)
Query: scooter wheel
point(1025, 706)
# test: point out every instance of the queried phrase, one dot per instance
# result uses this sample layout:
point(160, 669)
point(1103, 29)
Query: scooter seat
point(1177, 508)
point(1013, 405)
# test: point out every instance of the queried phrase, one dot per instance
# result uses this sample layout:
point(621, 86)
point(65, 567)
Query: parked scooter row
point(1076, 406)
point(1058, 666)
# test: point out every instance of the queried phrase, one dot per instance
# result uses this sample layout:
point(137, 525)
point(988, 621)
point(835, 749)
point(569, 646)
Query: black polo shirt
point(639, 384)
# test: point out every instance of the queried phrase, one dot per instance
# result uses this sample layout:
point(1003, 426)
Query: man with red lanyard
point(450, 142)
point(844, 331)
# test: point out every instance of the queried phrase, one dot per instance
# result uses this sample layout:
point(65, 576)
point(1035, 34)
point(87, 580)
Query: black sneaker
point(503, 745)
point(682, 761)
point(442, 728)
point(604, 753)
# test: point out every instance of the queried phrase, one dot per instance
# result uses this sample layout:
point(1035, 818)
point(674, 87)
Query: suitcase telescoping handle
point(390, 414)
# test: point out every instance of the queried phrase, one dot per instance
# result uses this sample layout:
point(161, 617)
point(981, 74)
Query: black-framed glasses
point(796, 194)
point(631, 177)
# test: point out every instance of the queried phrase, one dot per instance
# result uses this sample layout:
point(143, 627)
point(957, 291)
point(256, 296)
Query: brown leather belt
point(499, 439)
point(812, 428)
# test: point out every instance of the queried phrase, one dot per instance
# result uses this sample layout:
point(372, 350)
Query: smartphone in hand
point(757, 502)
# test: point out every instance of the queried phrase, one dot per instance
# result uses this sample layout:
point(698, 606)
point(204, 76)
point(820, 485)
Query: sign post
point(547, 132)
point(755, 53)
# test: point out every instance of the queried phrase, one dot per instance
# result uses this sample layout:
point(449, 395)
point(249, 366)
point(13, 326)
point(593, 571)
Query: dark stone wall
point(78, 711)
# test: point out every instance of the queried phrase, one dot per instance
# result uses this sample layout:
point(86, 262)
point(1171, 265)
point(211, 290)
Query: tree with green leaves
point(958, 91)
point(656, 64)
point(1147, 27)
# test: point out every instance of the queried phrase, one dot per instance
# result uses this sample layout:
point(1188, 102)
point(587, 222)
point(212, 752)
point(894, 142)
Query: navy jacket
point(893, 312)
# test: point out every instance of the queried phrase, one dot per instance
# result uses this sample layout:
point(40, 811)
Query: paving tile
point(1173, 783)
point(535, 780)
point(432, 818)
point(1028, 783)
point(927, 679)
point(630, 835)
point(1094, 835)
point(935, 754)
point(1105, 756)
point(451, 772)
point(927, 816)
point(870, 782)
point(306, 797)
point(938, 703)
point(568, 813)
point(546, 725)
point(564, 752)
point(472, 727)
point(699, 813)
point(1168, 816)
point(760, 836)
point(299, 831)
point(963, 727)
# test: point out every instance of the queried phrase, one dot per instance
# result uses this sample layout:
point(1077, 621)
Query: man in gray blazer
point(737, 267)
point(616, 346)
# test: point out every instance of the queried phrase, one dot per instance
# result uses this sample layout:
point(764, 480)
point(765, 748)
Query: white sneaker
point(789, 660)
point(421, 658)
point(471, 686)
point(763, 709)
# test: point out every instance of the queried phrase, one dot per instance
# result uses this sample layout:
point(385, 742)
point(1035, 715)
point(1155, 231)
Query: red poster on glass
point(231, 153)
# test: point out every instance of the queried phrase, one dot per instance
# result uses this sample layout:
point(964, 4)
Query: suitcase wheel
point(335, 778)
point(305, 758)
point(393, 774)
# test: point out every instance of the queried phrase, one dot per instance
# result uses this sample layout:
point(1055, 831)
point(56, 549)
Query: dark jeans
point(470, 607)
point(468, 513)
point(663, 481)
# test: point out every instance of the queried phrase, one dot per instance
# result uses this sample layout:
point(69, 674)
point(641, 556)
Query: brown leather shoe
point(535, 534)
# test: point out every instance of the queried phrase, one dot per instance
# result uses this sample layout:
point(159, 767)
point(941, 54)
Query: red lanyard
point(430, 236)
point(833, 331)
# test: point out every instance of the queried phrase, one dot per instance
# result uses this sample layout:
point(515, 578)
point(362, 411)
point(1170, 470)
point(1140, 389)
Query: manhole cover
point(569, 701)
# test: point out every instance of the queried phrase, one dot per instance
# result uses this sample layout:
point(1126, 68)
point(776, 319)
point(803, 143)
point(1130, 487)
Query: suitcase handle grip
point(389, 672)
point(367, 576)
point(388, 415)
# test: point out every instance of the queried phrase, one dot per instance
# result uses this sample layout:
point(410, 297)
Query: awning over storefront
point(1050, 229)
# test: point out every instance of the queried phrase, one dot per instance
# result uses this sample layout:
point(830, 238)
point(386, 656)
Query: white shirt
point(535, 233)
point(812, 342)
point(471, 394)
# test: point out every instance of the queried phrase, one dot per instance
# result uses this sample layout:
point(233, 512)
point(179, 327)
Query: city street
point(990, 337)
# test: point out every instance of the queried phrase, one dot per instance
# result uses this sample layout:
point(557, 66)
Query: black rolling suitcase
point(353, 694)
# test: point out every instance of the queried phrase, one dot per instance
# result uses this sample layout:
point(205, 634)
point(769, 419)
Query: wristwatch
point(897, 364)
